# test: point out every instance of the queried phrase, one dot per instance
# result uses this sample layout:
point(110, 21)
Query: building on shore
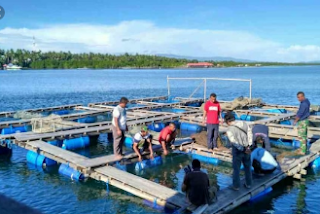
point(200, 65)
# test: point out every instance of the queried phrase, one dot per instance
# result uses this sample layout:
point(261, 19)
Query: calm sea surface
point(52, 193)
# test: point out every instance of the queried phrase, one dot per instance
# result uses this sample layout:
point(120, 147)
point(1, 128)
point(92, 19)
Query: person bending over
point(240, 137)
point(142, 141)
point(196, 185)
point(167, 137)
point(262, 161)
point(261, 136)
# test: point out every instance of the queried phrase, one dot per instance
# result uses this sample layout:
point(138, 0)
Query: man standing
point(142, 141)
point(241, 139)
point(167, 136)
point(212, 111)
point(303, 122)
point(119, 126)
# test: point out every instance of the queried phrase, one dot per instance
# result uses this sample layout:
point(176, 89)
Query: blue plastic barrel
point(148, 163)
point(66, 170)
point(35, 158)
point(12, 130)
point(176, 122)
point(281, 111)
point(235, 115)
point(76, 143)
point(194, 104)
point(316, 163)
point(128, 142)
point(176, 110)
point(261, 194)
point(285, 122)
point(281, 144)
point(90, 119)
point(157, 109)
point(296, 143)
point(247, 117)
point(61, 112)
point(205, 159)
point(57, 143)
point(190, 127)
point(157, 127)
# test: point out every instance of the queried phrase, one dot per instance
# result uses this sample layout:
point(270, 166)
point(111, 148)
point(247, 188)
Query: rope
point(105, 202)
point(191, 95)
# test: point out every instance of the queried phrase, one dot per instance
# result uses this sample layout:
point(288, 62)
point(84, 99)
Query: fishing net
point(241, 102)
point(201, 139)
point(51, 123)
point(26, 115)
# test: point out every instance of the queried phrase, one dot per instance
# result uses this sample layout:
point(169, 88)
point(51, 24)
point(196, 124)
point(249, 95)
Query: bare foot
point(118, 157)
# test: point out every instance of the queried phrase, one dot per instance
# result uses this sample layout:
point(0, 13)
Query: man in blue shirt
point(261, 136)
point(302, 120)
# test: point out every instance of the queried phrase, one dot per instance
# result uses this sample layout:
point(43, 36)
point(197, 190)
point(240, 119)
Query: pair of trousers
point(239, 157)
point(118, 141)
point(212, 135)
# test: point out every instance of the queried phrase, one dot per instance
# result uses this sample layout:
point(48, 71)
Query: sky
point(264, 30)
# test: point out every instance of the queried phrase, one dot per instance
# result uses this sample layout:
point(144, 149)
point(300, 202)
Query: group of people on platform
point(243, 138)
point(142, 140)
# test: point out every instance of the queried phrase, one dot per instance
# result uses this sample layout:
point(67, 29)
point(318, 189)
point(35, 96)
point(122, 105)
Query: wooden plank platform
point(10, 113)
point(140, 186)
point(55, 153)
point(130, 101)
point(229, 199)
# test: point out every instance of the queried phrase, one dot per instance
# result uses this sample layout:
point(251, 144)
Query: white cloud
point(145, 37)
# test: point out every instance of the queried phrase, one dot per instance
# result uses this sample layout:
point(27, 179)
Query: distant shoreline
point(167, 68)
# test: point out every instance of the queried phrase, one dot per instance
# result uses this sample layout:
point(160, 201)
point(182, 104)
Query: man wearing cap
point(142, 141)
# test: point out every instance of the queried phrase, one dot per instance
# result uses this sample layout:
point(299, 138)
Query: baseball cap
point(144, 128)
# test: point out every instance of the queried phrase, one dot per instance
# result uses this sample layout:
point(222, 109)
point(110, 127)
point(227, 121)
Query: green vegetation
point(67, 60)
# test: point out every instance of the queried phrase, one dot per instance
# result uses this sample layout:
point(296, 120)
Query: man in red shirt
point(212, 111)
point(167, 136)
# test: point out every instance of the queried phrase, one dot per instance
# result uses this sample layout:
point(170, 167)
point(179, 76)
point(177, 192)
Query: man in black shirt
point(196, 185)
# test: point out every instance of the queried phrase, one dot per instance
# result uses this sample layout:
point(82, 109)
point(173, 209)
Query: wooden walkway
point(229, 199)
point(99, 168)
point(10, 113)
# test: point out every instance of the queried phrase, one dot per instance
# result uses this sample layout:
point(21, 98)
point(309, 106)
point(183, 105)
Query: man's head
point(260, 139)
point(196, 164)
point(172, 126)
point(213, 97)
point(144, 131)
point(300, 96)
point(229, 118)
point(123, 102)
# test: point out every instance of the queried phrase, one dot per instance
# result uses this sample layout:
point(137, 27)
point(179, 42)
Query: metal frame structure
point(205, 83)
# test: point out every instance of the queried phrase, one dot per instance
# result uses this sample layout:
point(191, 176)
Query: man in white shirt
point(119, 126)
point(262, 161)
point(142, 141)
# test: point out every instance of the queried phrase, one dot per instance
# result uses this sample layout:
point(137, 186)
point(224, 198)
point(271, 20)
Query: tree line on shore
point(68, 60)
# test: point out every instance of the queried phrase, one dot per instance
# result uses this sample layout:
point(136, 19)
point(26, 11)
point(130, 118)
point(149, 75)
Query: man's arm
point(184, 186)
point(204, 116)
point(300, 112)
point(116, 115)
point(137, 151)
point(233, 141)
point(149, 140)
